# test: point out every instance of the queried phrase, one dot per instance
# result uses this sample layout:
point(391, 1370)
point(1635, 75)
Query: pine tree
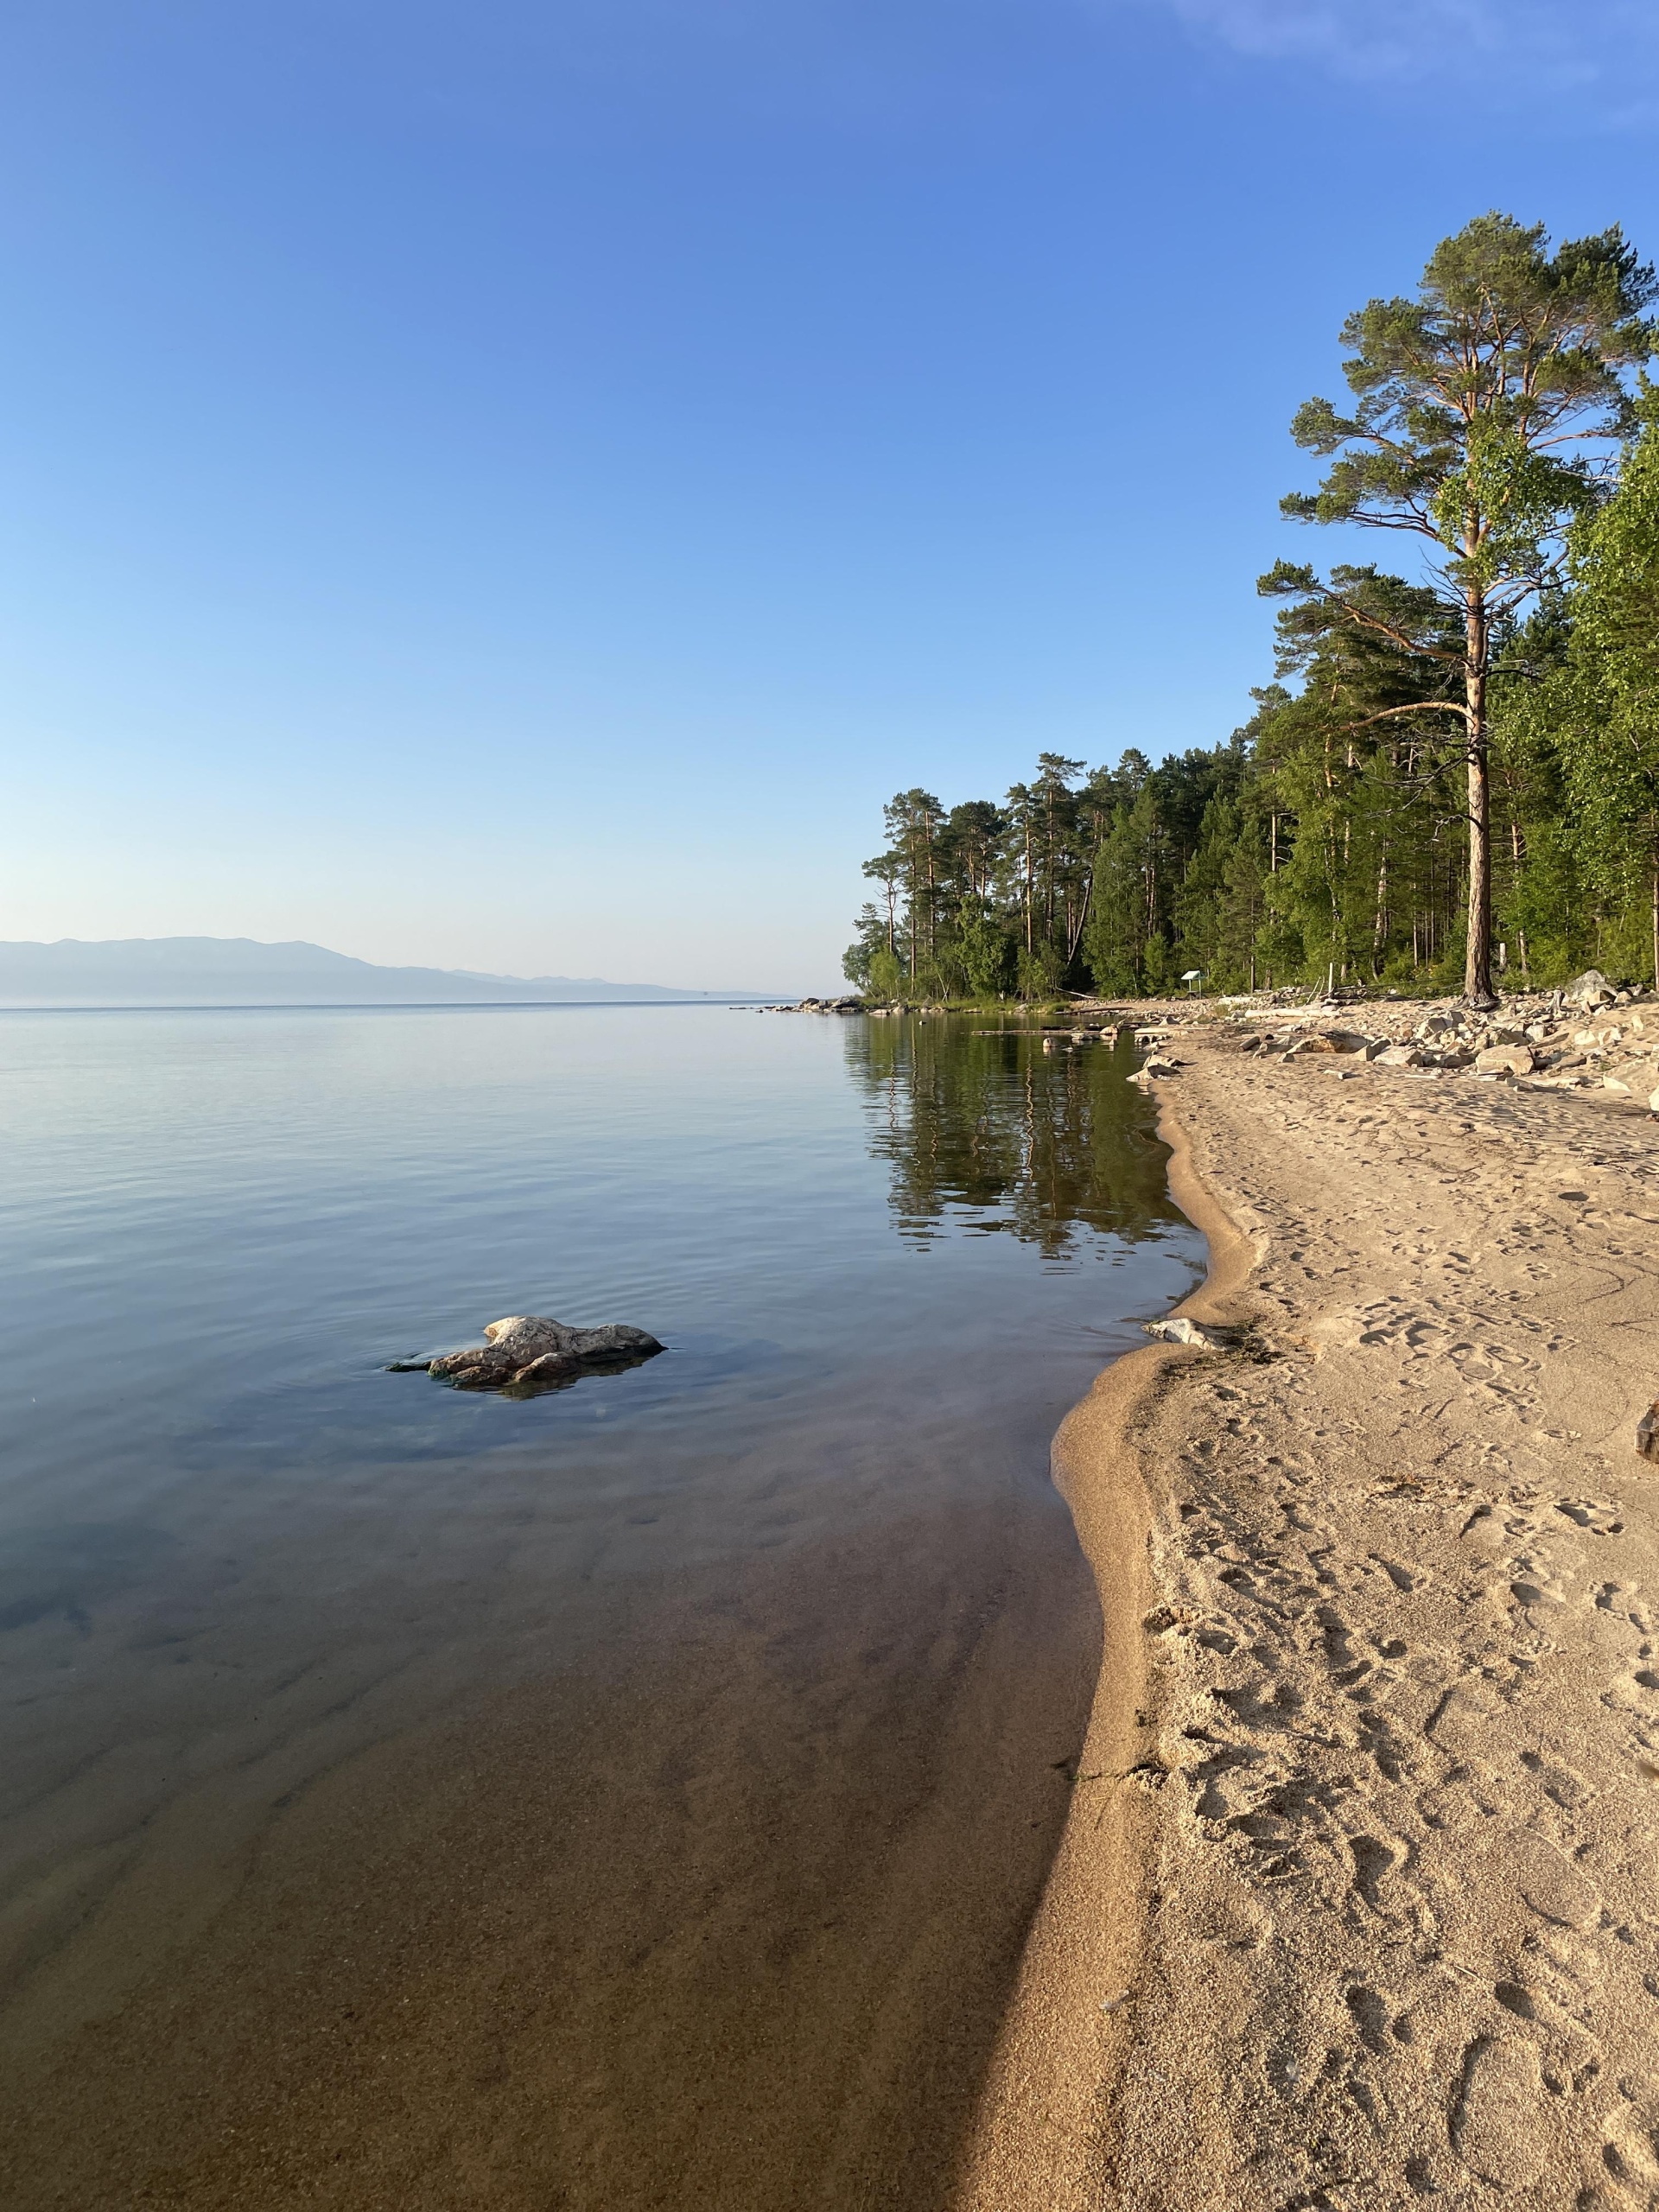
point(1485, 410)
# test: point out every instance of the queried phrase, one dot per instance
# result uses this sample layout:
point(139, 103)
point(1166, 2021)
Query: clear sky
point(516, 487)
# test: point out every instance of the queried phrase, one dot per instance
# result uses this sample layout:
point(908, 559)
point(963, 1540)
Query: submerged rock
point(527, 1352)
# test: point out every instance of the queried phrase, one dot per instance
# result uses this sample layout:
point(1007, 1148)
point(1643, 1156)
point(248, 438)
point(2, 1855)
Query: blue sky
point(516, 487)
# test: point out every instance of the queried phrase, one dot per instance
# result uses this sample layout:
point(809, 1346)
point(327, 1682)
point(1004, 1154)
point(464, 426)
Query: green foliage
point(884, 975)
point(1582, 720)
point(1441, 767)
point(1483, 418)
point(1470, 399)
point(985, 946)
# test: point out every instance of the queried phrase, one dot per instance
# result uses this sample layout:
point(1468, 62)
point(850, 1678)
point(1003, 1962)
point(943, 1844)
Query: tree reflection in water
point(990, 1132)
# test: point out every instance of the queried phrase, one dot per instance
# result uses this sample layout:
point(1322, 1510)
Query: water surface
point(631, 1795)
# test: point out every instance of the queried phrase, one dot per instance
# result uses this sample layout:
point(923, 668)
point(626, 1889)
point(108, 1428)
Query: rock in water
point(528, 1351)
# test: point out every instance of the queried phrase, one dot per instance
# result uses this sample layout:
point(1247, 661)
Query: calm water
point(236, 1555)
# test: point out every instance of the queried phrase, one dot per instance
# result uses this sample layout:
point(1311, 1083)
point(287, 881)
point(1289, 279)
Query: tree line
point(1453, 777)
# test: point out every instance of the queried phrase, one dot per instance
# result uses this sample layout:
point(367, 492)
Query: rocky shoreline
point(1592, 1038)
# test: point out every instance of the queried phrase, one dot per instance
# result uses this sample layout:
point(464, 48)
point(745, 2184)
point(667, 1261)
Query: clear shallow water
point(220, 1227)
point(236, 1553)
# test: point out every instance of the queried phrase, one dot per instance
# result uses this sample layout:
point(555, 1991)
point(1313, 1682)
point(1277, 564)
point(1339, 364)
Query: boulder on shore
point(529, 1352)
point(1592, 988)
point(1329, 1040)
point(1504, 1059)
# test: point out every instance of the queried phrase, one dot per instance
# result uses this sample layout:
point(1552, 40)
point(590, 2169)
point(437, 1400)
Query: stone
point(531, 1351)
point(1592, 988)
point(1646, 1433)
point(1329, 1040)
point(1504, 1059)
point(1400, 1056)
point(1159, 1067)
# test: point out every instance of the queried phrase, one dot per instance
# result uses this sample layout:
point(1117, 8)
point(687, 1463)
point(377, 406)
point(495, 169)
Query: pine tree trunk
point(1477, 951)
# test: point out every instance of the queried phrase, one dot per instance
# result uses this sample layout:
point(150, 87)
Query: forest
point(1449, 781)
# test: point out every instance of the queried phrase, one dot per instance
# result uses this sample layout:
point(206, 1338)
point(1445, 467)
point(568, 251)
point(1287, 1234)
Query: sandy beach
point(1356, 1906)
point(1347, 1901)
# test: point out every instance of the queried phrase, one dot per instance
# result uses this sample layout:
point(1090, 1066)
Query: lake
point(632, 1794)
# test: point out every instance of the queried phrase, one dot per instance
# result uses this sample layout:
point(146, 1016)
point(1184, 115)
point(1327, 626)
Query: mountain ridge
point(184, 971)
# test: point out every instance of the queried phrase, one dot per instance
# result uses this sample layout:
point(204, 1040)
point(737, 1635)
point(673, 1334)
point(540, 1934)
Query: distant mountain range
point(182, 971)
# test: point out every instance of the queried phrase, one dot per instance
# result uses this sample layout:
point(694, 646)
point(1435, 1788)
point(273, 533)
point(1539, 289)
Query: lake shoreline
point(1352, 1896)
point(633, 1794)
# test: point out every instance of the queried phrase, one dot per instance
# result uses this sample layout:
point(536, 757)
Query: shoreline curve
point(1043, 2131)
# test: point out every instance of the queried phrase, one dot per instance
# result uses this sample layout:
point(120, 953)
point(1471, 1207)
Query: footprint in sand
point(1630, 2151)
point(1594, 1513)
point(1559, 1781)
point(1549, 1882)
point(1495, 2120)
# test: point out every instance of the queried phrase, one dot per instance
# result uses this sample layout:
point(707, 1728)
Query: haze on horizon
point(515, 489)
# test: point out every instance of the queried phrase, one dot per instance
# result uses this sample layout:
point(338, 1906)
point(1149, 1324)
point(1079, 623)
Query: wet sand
point(1356, 1905)
point(726, 1917)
